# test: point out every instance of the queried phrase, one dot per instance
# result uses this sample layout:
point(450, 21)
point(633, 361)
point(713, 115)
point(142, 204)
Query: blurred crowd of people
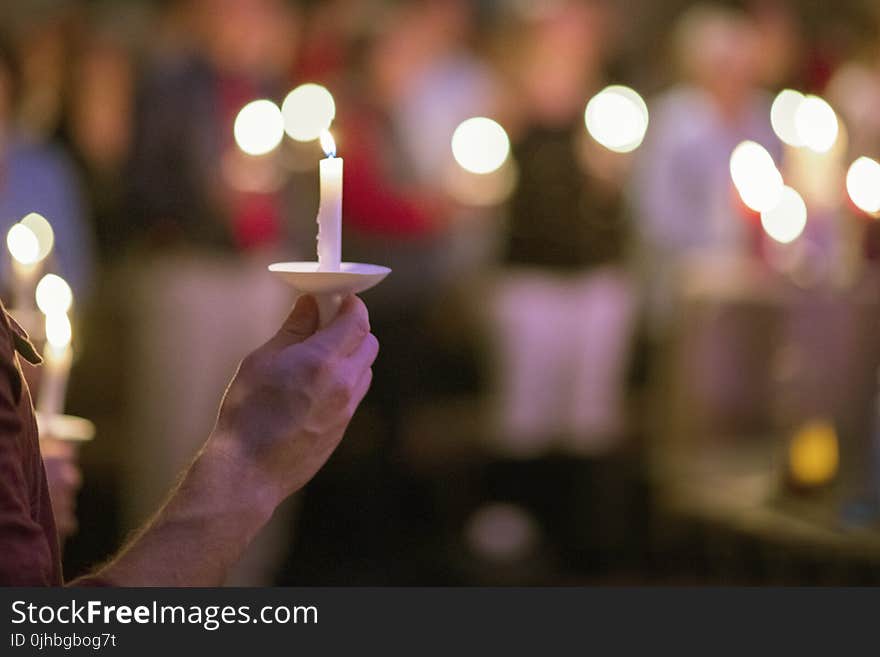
point(543, 326)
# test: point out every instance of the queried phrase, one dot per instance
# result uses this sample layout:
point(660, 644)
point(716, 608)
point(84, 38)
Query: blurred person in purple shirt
point(39, 177)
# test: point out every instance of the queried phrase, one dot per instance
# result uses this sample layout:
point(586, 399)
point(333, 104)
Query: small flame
point(328, 143)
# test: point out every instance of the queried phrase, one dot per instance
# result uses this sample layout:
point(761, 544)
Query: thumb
point(300, 324)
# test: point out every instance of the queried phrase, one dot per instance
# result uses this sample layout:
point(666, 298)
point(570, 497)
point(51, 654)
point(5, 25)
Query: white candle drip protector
point(329, 287)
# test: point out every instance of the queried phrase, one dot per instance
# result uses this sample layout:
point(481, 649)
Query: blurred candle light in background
point(863, 184)
point(813, 454)
point(259, 127)
point(53, 295)
point(816, 124)
point(57, 359)
point(782, 116)
point(28, 246)
point(308, 111)
point(755, 176)
point(42, 229)
point(23, 245)
point(617, 118)
point(480, 145)
point(786, 221)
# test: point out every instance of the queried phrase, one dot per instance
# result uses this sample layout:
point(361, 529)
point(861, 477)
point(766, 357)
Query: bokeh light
point(23, 244)
point(863, 184)
point(53, 295)
point(786, 221)
point(58, 330)
point(617, 118)
point(308, 111)
point(502, 532)
point(782, 116)
point(480, 145)
point(41, 227)
point(755, 176)
point(814, 454)
point(259, 127)
point(816, 124)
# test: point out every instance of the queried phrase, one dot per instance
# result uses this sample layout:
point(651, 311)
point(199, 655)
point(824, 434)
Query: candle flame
point(328, 143)
point(58, 330)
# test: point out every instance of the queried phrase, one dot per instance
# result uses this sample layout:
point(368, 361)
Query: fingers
point(360, 389)
point(346, 332)
point(299, 325)
point(365, 355)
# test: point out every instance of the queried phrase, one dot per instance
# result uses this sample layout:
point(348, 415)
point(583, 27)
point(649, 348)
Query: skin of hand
point(284, 413)
point(291, 400)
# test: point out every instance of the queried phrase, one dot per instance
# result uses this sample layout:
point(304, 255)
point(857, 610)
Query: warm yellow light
point(308, 110)
point(782, 116)
point(259, 127)
point(43, 230)
point(617, 118)
point(328, 143)
point(755, 176)
point(53, 295)
point(816, 124)
point(785, 222)
point(58, 330)
point(813, 454)
point(23, 244)
point(480, 145)
point(863, 184)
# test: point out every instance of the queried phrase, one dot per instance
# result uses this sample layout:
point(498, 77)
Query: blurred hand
point(288, 406)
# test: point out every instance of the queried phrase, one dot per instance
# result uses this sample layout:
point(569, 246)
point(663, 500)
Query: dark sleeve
point(26, 558)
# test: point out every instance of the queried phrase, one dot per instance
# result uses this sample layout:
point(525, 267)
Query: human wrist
point(222, 460)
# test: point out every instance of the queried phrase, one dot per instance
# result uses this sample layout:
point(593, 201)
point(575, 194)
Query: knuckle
point(313, 365)
point(339, 389)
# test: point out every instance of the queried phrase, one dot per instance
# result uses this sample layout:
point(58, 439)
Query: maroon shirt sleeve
point(29, 553)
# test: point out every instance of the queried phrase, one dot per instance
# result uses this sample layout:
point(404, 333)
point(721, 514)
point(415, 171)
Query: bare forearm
point(200, 532)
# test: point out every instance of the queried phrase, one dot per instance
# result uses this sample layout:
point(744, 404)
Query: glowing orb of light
point(23, 244)
point(53, 295)
point(58, 330)
point(43, 230)
point(813, 454)
point(816, 124)
point(755, 176)
point(480, 145)
point(308, 111)
point(863, 184)
point(782, 116)
point(785, 222)
point(617, 118)
point(259, 127)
